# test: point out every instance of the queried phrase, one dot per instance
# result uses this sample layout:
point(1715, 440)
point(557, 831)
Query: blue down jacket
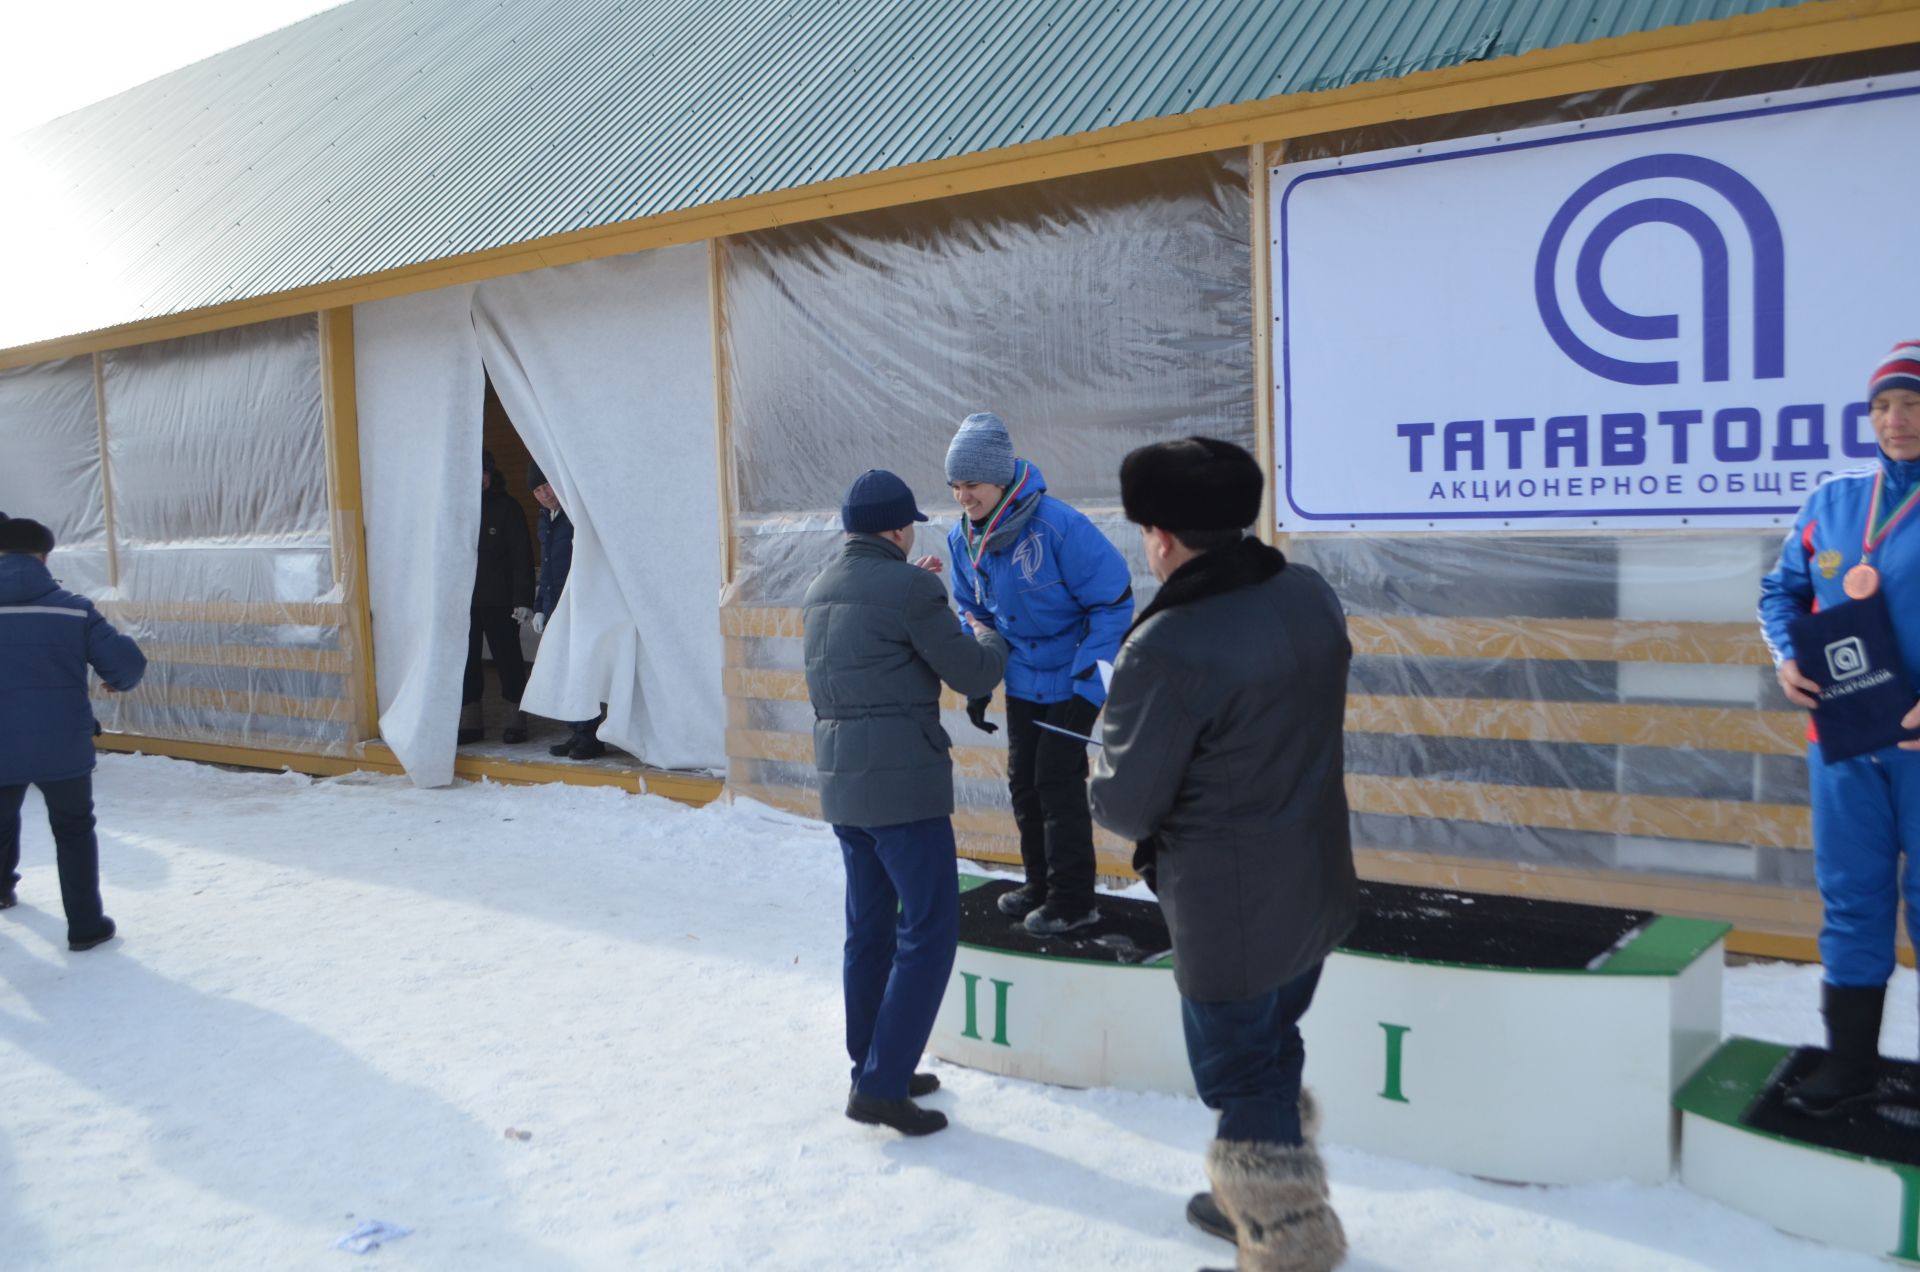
point(48, 638)
point(1053, 585)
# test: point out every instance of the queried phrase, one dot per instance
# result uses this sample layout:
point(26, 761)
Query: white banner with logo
point(1656, 320)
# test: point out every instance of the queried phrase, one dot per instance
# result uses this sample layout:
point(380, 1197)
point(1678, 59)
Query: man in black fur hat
point(1222, 761)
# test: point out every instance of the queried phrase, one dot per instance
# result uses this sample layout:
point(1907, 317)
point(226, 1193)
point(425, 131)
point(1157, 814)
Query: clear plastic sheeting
point(1093, 314)
point(606, 370)
point(50, 435)
point(1594, 700)
point(217, 471)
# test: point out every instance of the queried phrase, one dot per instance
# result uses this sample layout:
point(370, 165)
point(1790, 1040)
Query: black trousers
point(1047, 777)
point(495, 622)
point(70, 814)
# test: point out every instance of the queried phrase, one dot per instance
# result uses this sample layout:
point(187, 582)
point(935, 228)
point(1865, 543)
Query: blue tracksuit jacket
point(48, 638)
point(1054, 586)
point(1866, 810)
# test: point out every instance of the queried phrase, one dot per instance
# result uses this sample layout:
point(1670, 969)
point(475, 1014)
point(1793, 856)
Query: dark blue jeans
point(1247, 1056)
point(903, 927)
point(70, 815)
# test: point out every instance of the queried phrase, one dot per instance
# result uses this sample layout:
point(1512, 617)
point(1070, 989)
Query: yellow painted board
point(1605, 812)
point(1596, 640)
point(1595, 723)
point(231, 701)
point(260, 613)
point(256, 657)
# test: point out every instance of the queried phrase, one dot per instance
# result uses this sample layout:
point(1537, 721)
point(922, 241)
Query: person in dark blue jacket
point(556, 562)
point(1854, 538)
point(1043, 576)
point(48, 639)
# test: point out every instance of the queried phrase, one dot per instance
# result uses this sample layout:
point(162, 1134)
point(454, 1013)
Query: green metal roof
point(386, 133)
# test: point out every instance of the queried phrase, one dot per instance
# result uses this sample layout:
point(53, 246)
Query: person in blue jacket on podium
point(1855, 537)
point(1043, 576)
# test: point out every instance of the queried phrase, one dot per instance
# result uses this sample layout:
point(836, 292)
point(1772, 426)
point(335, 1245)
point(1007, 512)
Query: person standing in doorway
point(1222, 760)
point(880, 641)
point(1060, 593)
point(502, 600)
point(48, 639)
point(556, 562)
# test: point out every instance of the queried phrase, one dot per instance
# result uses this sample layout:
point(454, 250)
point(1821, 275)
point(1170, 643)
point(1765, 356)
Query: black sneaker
point(903, 1116)
point(1047, 921)
point(1204, 1213)
point(1022, 901)
point(559, 749)
point(586, 748)
point(100, 936)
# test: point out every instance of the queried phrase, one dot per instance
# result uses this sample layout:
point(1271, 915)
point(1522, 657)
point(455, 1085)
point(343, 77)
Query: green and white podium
point(1859, 1191)
point(1525, 1074)
point(1517, 1040)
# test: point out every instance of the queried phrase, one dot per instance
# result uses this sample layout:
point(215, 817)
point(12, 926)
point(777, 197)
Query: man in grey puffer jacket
point(1222, 760)
point(880, 640)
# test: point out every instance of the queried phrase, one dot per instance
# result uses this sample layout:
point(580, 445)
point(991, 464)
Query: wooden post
point(342, 423)
point(722, 403)
point(106, 472)
point(1260, 156)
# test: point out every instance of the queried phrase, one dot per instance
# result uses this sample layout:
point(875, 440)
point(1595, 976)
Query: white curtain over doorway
point(419, 388)
point(606, 369)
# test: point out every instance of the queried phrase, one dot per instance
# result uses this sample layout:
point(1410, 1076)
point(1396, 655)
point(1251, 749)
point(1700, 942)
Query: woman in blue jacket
point(1853, 538)
point(1044, 577)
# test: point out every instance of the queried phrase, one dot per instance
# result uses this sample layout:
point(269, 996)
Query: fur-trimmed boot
point(1204, 1213)
point(1276, 1196)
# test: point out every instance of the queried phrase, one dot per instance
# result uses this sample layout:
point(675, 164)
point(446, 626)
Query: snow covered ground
point(334, 999)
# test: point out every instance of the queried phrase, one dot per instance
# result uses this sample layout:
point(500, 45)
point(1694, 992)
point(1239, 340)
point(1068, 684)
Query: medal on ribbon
point(1863, 580)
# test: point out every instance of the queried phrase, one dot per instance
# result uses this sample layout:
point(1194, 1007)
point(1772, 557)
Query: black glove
point(977, 712)
point(1075, 715)
point(1146, 863)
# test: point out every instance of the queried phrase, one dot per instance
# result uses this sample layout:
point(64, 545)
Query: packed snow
point(565, 1027)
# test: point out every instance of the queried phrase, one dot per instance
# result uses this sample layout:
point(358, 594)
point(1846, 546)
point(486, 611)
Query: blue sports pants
point(1866, 815)
point(903, 927)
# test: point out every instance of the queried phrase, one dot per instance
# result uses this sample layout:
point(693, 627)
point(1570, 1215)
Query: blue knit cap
point(981, 451)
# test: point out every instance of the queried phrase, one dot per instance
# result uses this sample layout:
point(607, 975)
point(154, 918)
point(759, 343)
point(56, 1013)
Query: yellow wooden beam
point(253, 657)
point(229, 701)
point(1408, 636)
point(684, 788)
point(230, 613)
point(1777, 35)
point(1524, 720)
point(342, 419)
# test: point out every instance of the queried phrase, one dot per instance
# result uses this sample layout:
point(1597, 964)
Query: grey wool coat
point(880, 640)
point(1223, 757)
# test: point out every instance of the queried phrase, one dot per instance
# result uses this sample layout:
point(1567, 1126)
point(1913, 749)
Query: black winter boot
point(99, 934)
point(902, 1115)
point(1846, 1076)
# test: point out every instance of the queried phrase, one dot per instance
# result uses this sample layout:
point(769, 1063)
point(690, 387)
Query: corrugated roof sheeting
point(387, 133)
